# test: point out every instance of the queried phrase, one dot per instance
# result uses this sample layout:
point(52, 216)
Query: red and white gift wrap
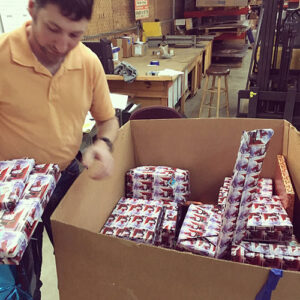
point(10, 193)
point(284, 257)
point(200, 230)
point(17, 227)
point(135, 219)
point(20, 170)
point(243, 188)
point(158, 183)
point(47, 169)
point(26, 202)
point(39, 187)
point(168, 227)
point(5, 167)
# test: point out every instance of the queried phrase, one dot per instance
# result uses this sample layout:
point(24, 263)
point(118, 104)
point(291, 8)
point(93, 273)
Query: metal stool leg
point(212, 94)
point(203, 95)
point(226, 94)
point(219, 95)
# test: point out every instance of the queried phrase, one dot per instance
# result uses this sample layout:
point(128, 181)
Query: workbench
point(149, 90)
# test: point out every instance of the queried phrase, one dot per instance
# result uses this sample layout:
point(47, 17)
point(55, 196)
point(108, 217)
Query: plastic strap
point(271, 284)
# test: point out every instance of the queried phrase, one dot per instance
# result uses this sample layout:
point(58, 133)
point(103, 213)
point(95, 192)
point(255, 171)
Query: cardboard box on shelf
point(217, 3)
point(97, 266)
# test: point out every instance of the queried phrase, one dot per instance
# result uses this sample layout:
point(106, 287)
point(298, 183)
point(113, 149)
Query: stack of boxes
point(25, 189)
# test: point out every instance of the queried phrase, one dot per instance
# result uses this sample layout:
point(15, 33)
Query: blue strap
point(271, 284)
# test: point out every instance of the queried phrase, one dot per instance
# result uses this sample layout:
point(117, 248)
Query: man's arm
point(98, 157)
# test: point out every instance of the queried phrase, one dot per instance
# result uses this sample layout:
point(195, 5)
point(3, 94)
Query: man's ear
point(32, 8)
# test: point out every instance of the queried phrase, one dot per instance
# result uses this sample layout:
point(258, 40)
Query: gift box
point(17, 227)
point(278, 256)
point(39, 187)
point(21, 170)
point(5, 167)
point(10, 193)
point(47, 169)
point(135, 219)
point(168, 227)
point(284, 187)
point(158, 183)
point(242, 189)
point(200, 230)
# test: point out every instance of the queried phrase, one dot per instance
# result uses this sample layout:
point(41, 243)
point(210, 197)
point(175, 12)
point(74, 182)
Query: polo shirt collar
point(22, 54)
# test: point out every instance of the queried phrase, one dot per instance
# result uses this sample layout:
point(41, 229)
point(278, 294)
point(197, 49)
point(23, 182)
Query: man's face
point(53, 35)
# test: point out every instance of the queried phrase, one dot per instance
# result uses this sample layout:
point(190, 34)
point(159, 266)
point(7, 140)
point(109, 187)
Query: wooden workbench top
point(180, 62)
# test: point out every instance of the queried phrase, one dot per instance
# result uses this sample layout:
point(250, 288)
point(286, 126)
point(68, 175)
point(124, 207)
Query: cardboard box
point(139, 49)
point(95, 266)
point(125, 45)
point(217, 3)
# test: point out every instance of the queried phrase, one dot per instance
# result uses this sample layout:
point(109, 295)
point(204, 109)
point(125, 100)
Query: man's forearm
point(108, 129)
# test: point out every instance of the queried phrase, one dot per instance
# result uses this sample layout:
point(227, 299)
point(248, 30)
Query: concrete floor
point(237, 81)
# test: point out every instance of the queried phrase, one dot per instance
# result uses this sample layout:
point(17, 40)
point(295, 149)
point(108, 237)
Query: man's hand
point(98, 160)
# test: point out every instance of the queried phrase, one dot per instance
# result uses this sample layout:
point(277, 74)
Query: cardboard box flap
point(89, 202)
point(211, 146)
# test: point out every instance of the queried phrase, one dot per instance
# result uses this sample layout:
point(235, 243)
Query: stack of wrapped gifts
point(250, 224)
point(25, 189)
point(158, 190)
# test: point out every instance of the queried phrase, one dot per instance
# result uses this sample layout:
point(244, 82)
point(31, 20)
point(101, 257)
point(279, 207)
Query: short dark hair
point(72, 9)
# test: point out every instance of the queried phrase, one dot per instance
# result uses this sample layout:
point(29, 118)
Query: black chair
point(155, 112)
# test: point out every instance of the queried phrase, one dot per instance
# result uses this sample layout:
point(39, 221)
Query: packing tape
point(154, 63)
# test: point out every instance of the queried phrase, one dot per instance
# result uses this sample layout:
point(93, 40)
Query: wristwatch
point(107, 141)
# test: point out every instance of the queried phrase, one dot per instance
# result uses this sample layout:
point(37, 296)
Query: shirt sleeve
point(101, 108)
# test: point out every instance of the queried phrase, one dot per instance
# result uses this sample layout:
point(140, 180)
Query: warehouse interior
point(193, 84)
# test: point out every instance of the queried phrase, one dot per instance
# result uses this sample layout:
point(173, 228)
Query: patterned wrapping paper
point(200, 230)
point(5, 167)
point(158, 183)
point(167, 237)
point(17, 227)
point(40, 188)
point(284, 187)
point(47, 169)
point(243, 188)
point(20, 170)
point(18, 224)
point(135, 219)
point(10, 193)
point(286, 257)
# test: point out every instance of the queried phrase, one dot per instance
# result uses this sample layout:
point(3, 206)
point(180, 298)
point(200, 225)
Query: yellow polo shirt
point(41, 115)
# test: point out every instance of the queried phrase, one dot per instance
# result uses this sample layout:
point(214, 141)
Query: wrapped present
point(47, 169)
point(158, 183)
point(39, 187)
point(200, 230)
point(5, 167)
point(284, 187)
point(242, 188)
point(135, 219)
point(21, 170)
point(10, 193)
point(265, 187)
point(17, 227)
point(286, 257)
point(167, 237)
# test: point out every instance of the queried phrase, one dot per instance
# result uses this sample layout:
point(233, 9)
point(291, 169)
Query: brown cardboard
point(139, 49)
point(216, 3)
point(125, 44)
point(94, 266)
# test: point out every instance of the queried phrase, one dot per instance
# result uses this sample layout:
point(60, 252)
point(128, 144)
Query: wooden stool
point(215, 72)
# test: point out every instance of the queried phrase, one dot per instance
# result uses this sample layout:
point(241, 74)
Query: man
point(48, 83)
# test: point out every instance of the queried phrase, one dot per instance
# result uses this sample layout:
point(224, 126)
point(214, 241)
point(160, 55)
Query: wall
point(112, 15)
